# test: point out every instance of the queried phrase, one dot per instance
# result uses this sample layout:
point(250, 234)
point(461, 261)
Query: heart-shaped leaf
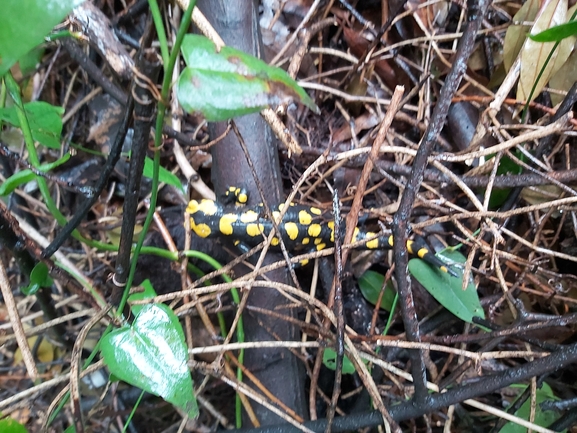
point(152, 355)
point(24, 23)
point(221, 84)
point(38, 278)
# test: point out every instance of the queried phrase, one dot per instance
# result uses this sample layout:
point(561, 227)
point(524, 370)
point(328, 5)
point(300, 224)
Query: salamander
point(302, 228)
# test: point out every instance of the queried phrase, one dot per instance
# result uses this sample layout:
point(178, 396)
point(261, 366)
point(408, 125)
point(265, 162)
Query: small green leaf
point(10, 425)
point(38, 278)
point(152, 355)
point(557, 33)
point(163, 175)
point(24, 23)
point(45, 121)
point(26, 175)
point(330, 361)
point(506, 166)
point(542, 418)
point(227, 83)
point(371, 283)
point(446, 289)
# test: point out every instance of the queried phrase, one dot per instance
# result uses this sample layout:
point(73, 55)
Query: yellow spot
point(410, 247)
point(201, 230)
point(304, 262)
point(321, 247)
point(248, 216)
point(315, 210)
point(318, 241)
point(444, 269)
point(314, 230)
point(225, 223)
point(331, 225)
point(306, 241)
point(292, 230)
point(253, 229)
point(276, 216)
point(241, 197)
point(274, 242)
point(208, 207)
point(373, 245)
point(356, 234)
point(192, 207)
point(305, 218)
point(236, 243)
point(422, 252)
point(391, 241)
point(281, 206)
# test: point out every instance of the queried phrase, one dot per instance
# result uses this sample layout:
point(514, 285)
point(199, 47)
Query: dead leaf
point(564, 78)
point(534, 55)
point(358, 45)
point(517, 34)
point(363, 122)
point(45, 352)
point(434, 15)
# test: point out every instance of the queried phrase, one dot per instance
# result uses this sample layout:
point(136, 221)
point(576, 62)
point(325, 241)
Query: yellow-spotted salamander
point(303, 228)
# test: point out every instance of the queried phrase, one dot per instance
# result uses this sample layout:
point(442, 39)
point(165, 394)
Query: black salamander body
point(303, 228)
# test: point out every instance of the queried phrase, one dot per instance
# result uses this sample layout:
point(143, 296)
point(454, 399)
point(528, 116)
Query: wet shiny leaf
point(446, 289)
point(152, 355)
point(228, 83)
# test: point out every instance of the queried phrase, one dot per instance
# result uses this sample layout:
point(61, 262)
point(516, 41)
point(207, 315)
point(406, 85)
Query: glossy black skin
point(302, 228)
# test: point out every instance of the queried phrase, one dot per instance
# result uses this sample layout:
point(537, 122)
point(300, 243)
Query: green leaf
point(45, 121)
point(330, 361)
point(506, 166)
point(10, 425)
point(152, 355)
point(446, 289)
point(148, 292)
point(371, 283)
point(557, 33)
point(38, 278)
point(24, 23)
point(542, 418)
point(164, 175)
point(29, 61)
point(228, 83)
point(26, 175)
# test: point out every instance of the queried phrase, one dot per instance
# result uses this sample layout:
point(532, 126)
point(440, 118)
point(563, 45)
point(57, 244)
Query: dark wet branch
point(477, 12)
